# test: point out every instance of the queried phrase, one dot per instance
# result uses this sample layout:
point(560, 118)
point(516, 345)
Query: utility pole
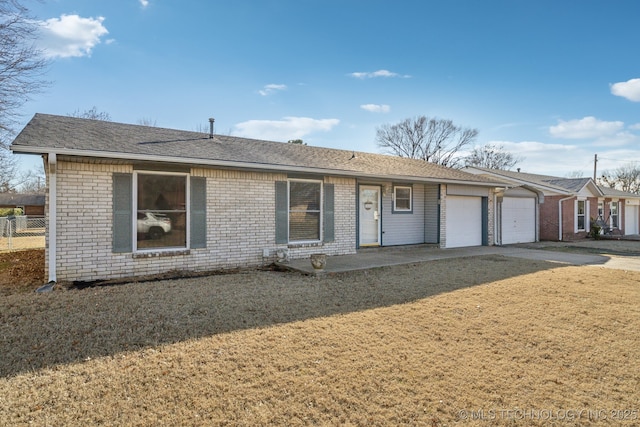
point(595, 166)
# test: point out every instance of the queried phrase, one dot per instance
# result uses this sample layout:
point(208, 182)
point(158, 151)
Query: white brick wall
point(240, 224)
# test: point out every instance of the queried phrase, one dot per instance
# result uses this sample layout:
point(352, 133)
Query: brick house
point(568, 206)
point(128, 200)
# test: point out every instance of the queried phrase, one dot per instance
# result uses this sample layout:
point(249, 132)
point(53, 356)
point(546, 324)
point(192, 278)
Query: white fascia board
point(241, 165)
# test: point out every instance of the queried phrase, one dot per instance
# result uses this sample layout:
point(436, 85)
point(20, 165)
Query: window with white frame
point(305, 210)
point(601, 210)
point(160, 206)
point(581, 215)
point(402, 198)
point(613, 214)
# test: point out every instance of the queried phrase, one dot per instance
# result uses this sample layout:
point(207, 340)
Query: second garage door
point(464, 221)
point(518, 220)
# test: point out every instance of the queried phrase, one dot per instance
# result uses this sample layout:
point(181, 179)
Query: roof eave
point(240, 165)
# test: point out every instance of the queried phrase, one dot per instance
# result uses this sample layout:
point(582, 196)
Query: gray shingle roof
point(94, 138)
point(13, 199)
point(570, 184)
point(612, 192)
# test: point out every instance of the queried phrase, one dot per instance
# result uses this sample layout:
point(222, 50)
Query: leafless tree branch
point(430, 139)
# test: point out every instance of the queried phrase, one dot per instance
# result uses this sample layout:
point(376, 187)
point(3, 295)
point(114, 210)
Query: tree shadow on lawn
point(44, 330)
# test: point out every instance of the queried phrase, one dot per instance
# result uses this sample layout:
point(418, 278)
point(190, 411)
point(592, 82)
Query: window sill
point(158, 254)
point(305, 245)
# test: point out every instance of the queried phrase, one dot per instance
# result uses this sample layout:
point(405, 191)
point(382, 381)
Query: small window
point(305, 201)
point(161, 207)
point(581, 215)
point(402, 199)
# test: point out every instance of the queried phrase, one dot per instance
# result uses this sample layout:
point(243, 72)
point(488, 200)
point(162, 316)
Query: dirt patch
point(475, 341)
point(21, 271)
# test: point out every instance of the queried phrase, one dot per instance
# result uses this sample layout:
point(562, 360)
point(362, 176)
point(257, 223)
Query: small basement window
point(402, 199)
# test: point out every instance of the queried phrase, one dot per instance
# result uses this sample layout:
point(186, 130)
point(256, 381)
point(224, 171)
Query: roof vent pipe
point(211, 121)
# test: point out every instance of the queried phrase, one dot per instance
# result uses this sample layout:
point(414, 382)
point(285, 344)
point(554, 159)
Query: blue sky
point(555, 82)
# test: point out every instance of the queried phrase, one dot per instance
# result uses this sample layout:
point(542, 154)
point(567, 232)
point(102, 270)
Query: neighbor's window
point(305, 201)
point(581, 214)
point(161, 207)
point(600, 210)
point(613, 214)
point(402, 199)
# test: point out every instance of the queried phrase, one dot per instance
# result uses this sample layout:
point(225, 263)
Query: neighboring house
point(556, 208)
point(127, 200)
point(31, 204)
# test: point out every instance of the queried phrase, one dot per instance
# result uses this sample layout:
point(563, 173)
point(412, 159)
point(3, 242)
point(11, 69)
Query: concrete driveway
point(622, 255)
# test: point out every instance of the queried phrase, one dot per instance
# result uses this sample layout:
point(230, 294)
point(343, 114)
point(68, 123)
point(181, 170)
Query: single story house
point(30, 204)
point(128, 200)
point(554, 208)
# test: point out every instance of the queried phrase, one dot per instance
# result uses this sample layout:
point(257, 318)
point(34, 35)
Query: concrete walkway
point(387, 256)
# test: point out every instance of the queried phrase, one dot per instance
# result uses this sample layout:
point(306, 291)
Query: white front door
point(369, 216)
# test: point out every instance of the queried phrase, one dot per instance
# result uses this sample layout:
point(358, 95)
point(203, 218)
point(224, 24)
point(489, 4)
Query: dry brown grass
point(412, 345)
point(21, 271)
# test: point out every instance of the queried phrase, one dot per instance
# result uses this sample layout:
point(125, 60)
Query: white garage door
point(464, 221)
point(518, 220)
point(631, 220)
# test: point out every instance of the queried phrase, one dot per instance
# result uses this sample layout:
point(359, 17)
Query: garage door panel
point(464, 221)
point(631, 219)
point(518, 220)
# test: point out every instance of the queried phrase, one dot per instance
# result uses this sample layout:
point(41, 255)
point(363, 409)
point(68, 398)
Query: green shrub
point(10, 211)
point(595, 230)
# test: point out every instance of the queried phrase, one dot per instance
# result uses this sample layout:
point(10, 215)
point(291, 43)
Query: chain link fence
point(21, 232)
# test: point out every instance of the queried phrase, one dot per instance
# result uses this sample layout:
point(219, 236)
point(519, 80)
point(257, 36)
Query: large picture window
point(161, 210)
point(305, 202)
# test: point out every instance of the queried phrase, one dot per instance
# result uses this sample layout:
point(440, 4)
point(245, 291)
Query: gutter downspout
point(560, 215)
point(53, 218)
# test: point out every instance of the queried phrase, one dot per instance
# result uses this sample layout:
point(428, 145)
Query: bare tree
point(625, 178)
point(32, 181)
point(22, 68)
point(22, 65)
point(492, 156)
point(575, 174)
point(92, 114)
point(429, 139)
point(146, 121)
point(8, 168)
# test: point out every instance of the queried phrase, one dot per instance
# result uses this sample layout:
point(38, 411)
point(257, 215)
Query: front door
point(369, 216)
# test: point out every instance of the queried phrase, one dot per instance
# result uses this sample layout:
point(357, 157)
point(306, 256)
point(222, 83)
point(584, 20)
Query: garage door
point(464, 221)
point(631, 219)
point(518, 220)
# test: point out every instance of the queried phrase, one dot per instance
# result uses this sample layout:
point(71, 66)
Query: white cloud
point(70, 35)
point(283, 130)
point(629, 89)
point(585, 128)
point(635, 127)
point(144, 3)
point(376, 108)
point(271, 88)
point(379, 73)
point(547, 159)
